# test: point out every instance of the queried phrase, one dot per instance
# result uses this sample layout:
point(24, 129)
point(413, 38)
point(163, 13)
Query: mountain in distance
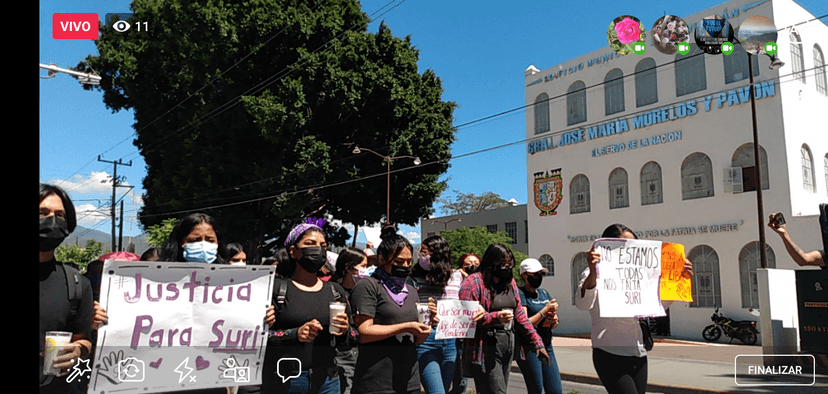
point(82, 234)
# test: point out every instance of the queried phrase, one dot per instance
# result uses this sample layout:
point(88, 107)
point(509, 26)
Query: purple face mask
point(425, 262)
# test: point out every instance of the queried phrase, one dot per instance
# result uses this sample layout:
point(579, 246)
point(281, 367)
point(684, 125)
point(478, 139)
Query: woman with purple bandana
point(386, 318)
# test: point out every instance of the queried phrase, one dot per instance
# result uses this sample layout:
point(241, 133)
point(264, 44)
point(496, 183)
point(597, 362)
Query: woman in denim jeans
point(436, 280)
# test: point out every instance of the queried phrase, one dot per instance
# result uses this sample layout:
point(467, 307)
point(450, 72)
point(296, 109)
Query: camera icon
point(131, 369)
point(238, 374)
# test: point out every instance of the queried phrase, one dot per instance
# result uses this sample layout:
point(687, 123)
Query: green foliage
point(243, 110)
point(78, 256)
point(160, 233)
point(476, 240)
point(466, 203)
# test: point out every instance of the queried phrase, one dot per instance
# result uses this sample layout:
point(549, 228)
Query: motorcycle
point(744, 331)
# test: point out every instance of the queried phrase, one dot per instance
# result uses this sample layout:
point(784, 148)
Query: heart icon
point(155, 364)
point(201, 363)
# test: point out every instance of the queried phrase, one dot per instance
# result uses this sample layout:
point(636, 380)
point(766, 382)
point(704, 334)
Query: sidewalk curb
point(651, 386)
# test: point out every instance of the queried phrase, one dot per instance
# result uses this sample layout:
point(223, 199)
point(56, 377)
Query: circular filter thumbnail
point(668, 32)
point(624, 33)
point(758, 35)
point(714, 32)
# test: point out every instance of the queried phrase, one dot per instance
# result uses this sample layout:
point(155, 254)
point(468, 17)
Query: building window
point(691, 75)
point(706, 282)
point(492, 228)
point(736, 65)
point(614, 91)
point(696, 177)
point(808, 175)
point(749, 261)
point(579, 264)
point(743, 157)
point(651, 184)
point(549, 263)
point(579, 194)
point(576, 103)
point(796, 57)
point(511, 229)
point(619, 198)
point(646, 83)
point(542, 113)
point(819, 68)
point(430, 234)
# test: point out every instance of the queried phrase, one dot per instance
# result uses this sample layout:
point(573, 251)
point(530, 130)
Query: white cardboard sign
point(456, 319)
point(629, 275)
point(181, 326)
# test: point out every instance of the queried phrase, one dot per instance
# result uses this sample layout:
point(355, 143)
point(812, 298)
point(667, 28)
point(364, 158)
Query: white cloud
point(411, 235)
point(88, 215)
point(96, 182)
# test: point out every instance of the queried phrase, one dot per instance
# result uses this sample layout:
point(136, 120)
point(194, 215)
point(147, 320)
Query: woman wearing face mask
point(303, 324)
point(541, 308)
point(469, 263)
point(194, 239)
point(386, 317)
point(351, 267)
point(618, 352)
point(488, 357)
point(59, 312)
point(234, 254)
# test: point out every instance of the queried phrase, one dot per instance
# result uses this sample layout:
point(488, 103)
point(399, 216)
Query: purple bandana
point(298, 230)
point(395, 286)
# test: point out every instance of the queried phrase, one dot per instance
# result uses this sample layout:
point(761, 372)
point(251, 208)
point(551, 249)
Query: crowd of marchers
point(384, 339)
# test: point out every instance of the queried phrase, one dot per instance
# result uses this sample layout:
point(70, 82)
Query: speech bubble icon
point(292, 370)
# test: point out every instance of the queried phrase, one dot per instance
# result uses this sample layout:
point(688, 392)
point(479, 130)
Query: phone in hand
point(778, 220)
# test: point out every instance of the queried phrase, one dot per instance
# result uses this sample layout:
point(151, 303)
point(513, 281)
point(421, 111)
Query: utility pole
point(115, 182)
point(121, 229)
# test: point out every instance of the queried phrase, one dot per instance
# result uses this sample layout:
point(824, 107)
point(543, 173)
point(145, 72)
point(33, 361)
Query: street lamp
point(445, 224)
point(387, 159)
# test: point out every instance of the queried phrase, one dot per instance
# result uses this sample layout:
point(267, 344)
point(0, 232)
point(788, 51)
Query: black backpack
point(74, 287)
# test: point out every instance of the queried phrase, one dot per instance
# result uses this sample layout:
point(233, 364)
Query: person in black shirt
point(386, 317)
point(303, 325)
point(58, 310)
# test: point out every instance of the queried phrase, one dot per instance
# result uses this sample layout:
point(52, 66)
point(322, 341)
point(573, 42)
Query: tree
point(80, 257)
point(160, 233)
point(476, 240)
point(249, 111)
point(466, 203)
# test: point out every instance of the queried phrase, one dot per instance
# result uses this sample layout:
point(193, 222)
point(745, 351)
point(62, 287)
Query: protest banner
point(629, 277)
point(675, 285)
point(181, 326)
point(456, 319)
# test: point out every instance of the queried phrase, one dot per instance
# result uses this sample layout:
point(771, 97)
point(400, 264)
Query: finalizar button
point(780, 370)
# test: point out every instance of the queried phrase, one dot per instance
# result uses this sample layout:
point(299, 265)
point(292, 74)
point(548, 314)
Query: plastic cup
point(511, 312)
point(423, 313)
point(55, 341)
point(335, 308)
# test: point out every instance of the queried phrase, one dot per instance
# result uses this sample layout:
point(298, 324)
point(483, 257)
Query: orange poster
point(674, 285)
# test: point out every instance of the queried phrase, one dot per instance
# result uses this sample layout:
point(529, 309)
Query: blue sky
point(479, 49)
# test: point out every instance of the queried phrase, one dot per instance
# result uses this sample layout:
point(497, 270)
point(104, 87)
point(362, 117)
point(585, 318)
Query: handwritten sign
point(628, 277)
point(456, 319)
point(674, 285)
point(181, 326)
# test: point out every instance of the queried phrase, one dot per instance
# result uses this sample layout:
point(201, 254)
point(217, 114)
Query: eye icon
point(120, 26)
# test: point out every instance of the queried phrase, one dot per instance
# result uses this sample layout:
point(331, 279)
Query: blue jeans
point(539, 377)
point(437, 360)
point(303, 384)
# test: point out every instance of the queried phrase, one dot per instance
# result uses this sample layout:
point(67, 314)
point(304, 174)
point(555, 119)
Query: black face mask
point(313, 258)
point(472, 269)
point(534, 281)
point(400, 271)
point(53, 231)
point(503, 273)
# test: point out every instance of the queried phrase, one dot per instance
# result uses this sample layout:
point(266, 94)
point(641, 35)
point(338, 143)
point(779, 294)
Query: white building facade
point(664, 144)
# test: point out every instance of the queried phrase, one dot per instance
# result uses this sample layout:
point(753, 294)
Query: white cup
point(423, 313)
point(511, 312)
point(335, 308)
point(55, 341)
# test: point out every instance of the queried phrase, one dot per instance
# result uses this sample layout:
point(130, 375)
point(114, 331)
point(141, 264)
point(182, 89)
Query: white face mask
point(200, 252)
point(238, 263)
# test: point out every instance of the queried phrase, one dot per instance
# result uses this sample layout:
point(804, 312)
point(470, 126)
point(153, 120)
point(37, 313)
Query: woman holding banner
point(436, 280)
point(488, 357)
point(313, 318)
point(618, 351)
point(386, 317)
